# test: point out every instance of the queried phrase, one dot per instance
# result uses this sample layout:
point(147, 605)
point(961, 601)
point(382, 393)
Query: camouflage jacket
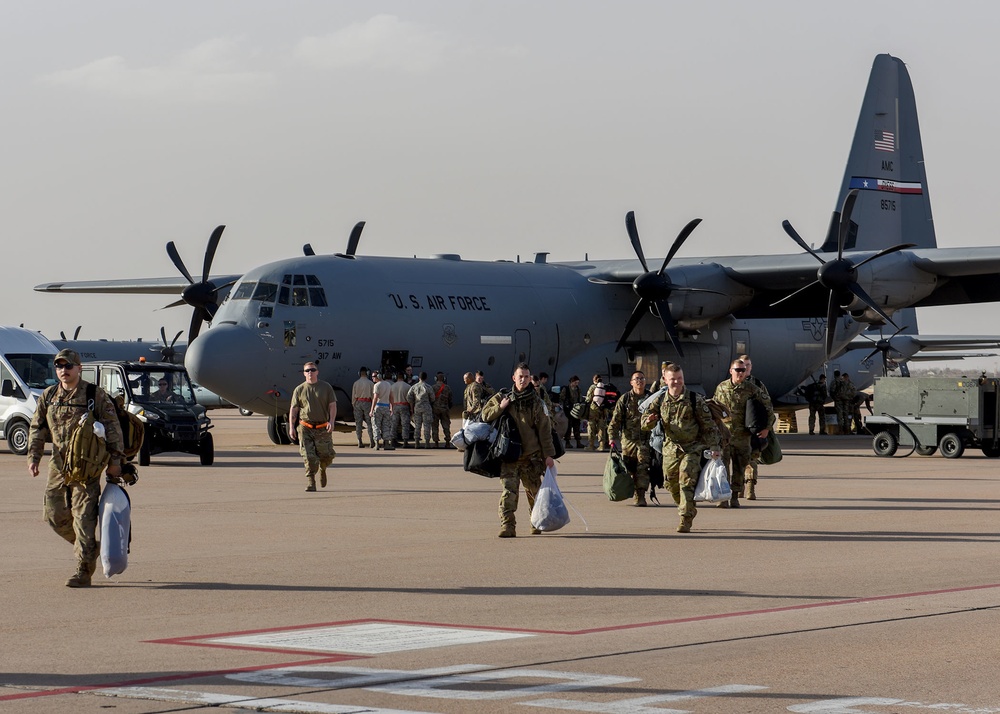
point(57, 414)
point(625, 419)
point(687, 423)
point(847, 393)
point(421, 397)
point(442, 397)
point(474, 398)
point(533, 426)
point(734, 397)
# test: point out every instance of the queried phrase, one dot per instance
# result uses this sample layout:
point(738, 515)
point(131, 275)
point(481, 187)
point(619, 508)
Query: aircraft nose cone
point(230, 361)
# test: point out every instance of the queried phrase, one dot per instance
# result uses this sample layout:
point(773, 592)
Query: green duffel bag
point(618, 485)
point(771, 453)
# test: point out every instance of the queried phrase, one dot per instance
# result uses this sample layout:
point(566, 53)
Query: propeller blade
point(872, 354)
point(832, 310)
point(885, 251)
point(163, 336)
point(62, 335)
point(633, 320)
point(355, 238)
point(679, 241)
point(663, 307)
point(175, 303)
point(213, 244)
point(76, 333)
point(791, 295)
point(176, 337)
point(845, 220)
point(307, 249)
point(793, 234)
point(195, 327)
point(633, 235)
point(178, 263)
point(860, 293)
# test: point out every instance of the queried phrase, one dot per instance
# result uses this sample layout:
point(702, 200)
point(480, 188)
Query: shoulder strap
point(92, 399)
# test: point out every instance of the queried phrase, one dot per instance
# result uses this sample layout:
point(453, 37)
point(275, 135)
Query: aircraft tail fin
point(886, 164)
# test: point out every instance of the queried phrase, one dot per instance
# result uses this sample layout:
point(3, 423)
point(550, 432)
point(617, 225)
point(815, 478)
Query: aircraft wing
point(941, 357)
point(931, 343)
point(135, 286)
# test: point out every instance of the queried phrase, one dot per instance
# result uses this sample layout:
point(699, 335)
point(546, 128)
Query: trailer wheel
point(991, 451)
point(926, 450)
point(884, 444)
point(951, 446)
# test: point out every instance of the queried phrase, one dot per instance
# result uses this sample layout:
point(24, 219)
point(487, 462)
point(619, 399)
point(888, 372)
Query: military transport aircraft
point(443, 313)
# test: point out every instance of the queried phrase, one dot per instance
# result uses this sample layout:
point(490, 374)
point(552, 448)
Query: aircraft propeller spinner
point(167, 351)
point(654, 288)
point(840, 276)
point(352, 242)
point(202, 295)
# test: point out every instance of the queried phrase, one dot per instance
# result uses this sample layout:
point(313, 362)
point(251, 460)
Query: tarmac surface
point(853, 584)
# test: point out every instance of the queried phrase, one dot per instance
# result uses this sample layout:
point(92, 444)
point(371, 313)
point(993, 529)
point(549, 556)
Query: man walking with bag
point(626, 425)
point(537, 449)
point(73, 490)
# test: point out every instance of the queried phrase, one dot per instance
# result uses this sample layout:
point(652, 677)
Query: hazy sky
point(485, 129)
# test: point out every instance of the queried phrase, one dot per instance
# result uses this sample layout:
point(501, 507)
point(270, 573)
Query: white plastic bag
point(477, 431)
point(116, 525)
point(713, 483)
point(550, 512)
point(458, 440)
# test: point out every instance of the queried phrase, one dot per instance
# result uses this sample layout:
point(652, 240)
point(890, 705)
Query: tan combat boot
point(311, 484)
point(640, 497)
point(685, 526)
point(81, 578)
point(752, 491)
point(507, 531)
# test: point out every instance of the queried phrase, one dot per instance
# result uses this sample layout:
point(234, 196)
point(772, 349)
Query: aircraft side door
point(740, 342)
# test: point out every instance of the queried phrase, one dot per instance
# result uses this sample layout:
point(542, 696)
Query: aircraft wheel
point(277, 431)
point(884, 444)
point(245, 412)
point(144, 453)
point(206, 450)
point(951, 446)
point(926, 450)
point(17, 437)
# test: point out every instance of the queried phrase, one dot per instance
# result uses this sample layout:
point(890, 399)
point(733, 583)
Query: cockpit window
point(294, 291)
point(265, 292)
point(244, 291)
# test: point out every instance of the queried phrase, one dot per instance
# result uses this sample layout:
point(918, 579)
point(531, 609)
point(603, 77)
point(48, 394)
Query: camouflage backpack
point(132, 428)
point(87, 453)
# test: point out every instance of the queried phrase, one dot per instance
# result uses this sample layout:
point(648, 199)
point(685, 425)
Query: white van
point(26, 369)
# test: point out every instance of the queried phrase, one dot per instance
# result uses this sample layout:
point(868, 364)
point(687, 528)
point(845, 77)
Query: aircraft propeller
point(883, 345)
point(202, 295)
point(167, 351)
point(76, 333)
point(654, 288)
point(352, 242)
point(840, 276)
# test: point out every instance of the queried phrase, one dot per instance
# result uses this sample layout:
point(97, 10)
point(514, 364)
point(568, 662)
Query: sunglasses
point(64, 365)
point(739, 369)
point(311, 369)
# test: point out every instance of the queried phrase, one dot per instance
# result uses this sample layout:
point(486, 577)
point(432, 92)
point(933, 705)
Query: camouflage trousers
point(442, 419)
point(817, 413)
point(680, 473)
point(528, 472)
point(71, 511)
point(401, 421)
point(362, 417)
point(597, 429)
point(636, 457)
point(845, 412)
point(743, 466)
point(316, 448)
point(382, 425)
point(423, 418)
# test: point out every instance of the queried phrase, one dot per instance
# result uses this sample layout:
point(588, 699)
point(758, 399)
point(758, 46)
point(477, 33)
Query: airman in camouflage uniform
point(441, 408)
point(537, 449)
point(733, 394)
point(750, 479)
point(400, 411)
point(310, 422)
point(421, 399)
point(473, 398)
point(571, 396)
point(688, 430)
point(71, 509)
point(597, 418)
point(844, 401)
point(382, 413)
point(626, 425)
point(361, 400)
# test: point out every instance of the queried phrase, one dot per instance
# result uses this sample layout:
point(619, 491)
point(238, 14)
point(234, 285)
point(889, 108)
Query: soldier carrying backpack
point(79, 419)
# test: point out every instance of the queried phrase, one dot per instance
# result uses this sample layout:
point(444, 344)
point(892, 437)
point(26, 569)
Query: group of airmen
point(846, 400)
point(400, 407)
